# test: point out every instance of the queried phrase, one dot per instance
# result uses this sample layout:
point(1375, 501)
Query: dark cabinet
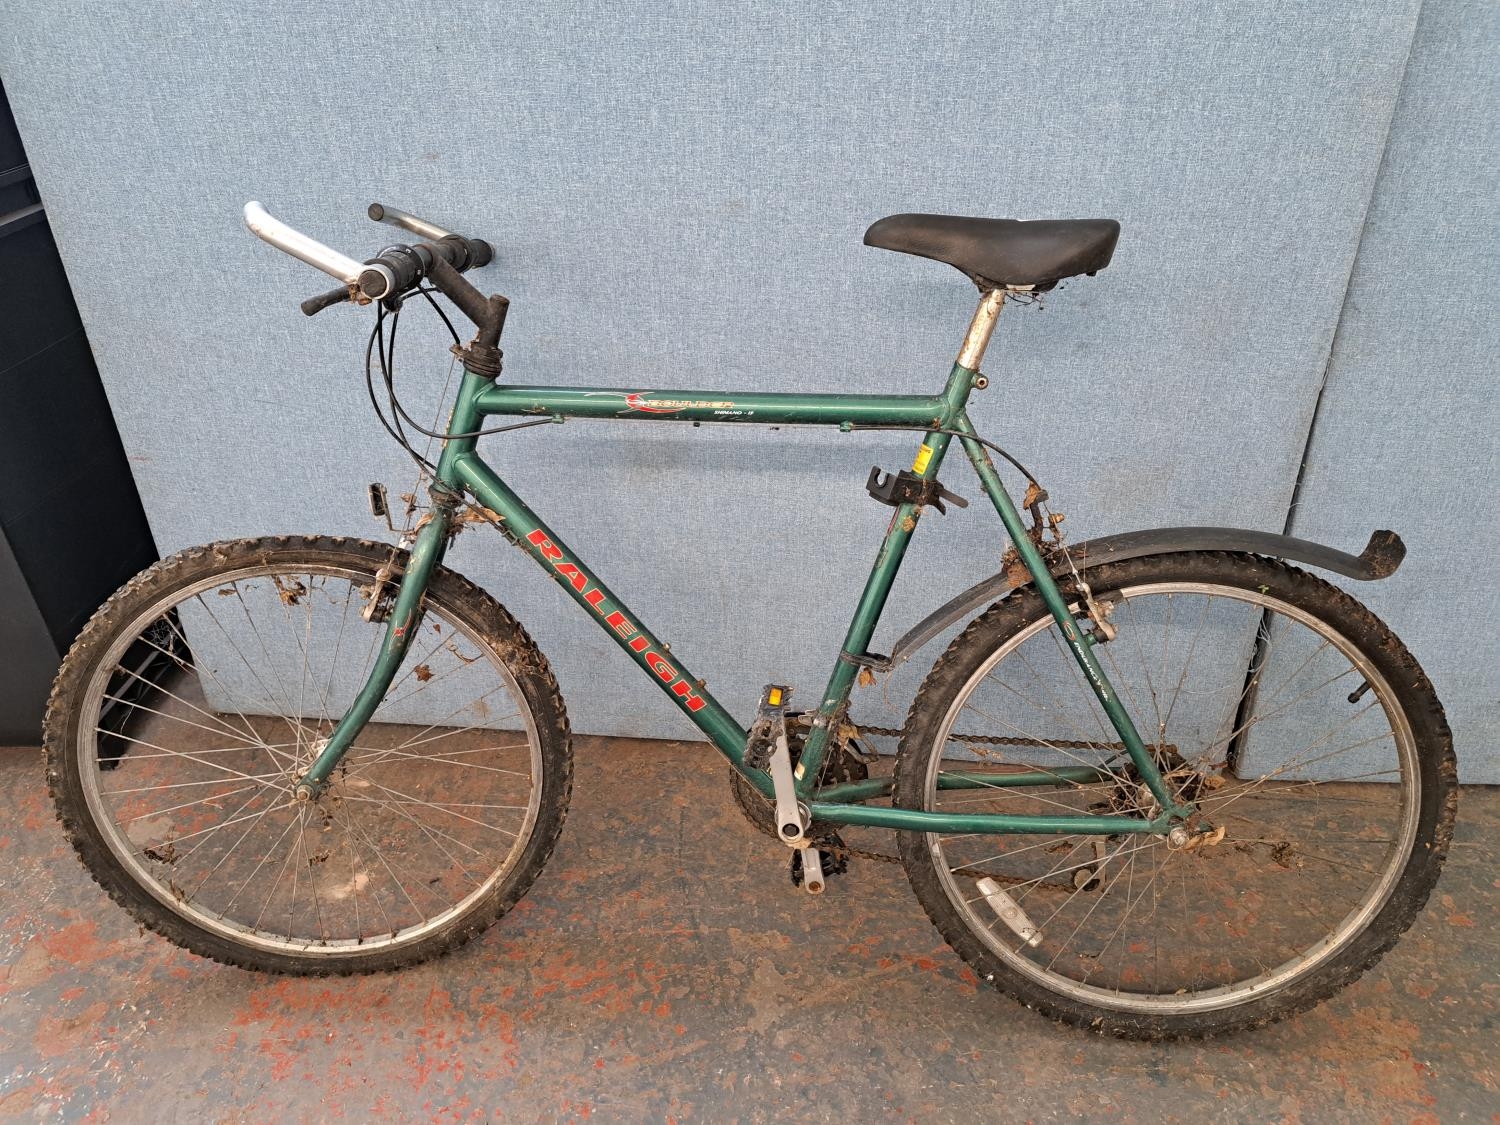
point(71, 524)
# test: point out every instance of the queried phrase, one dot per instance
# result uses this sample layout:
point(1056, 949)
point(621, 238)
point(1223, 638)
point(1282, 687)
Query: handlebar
point(393, 271)
point(382, 214)
point(298, 245)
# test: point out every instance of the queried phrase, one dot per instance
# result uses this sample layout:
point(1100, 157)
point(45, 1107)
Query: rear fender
point(1380, 558)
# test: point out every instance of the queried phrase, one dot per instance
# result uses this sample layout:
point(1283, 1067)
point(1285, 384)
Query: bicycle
point(1162, 784)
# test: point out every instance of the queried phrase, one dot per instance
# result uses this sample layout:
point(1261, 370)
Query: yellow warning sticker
point(924, 455)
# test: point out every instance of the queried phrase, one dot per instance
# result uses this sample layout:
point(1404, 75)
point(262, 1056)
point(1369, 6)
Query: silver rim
point(423, 820)
point(1102, 905)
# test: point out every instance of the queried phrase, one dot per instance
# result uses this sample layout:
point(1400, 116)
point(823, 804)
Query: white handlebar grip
point(264, 225)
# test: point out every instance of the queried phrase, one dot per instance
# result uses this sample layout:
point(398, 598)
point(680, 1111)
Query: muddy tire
point(1318, 868)
point(422, 841)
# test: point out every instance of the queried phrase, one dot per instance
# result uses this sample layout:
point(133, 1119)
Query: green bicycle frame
point(461, 470)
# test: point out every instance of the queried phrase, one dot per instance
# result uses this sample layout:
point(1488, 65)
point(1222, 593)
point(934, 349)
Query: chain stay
point(844, 852)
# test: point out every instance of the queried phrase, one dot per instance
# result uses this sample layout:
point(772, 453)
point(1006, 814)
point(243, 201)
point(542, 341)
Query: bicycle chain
point(1009, 740)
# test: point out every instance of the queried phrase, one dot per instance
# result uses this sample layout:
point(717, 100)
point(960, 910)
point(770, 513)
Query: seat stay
point(1079, 644)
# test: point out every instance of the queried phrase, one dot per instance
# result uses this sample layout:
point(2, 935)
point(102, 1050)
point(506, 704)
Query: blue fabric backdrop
point(1405, 432)
point(677, 193)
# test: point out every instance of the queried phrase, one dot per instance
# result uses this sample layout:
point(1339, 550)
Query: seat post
point(971, 355)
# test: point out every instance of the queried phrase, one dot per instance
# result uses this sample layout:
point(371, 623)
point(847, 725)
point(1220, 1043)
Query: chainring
point(840, 765)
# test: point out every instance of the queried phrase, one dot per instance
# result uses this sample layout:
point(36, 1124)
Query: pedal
point(770, 721)
point(807, 870)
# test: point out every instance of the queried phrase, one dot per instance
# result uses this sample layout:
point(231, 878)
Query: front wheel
point(196, 697)
point(1306, 735)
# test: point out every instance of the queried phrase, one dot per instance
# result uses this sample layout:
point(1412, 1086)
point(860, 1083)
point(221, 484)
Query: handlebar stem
point(482, 356)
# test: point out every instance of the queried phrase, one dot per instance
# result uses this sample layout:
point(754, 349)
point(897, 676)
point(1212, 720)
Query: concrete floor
point(664, 968)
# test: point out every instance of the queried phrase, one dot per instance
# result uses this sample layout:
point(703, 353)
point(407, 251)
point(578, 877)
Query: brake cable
point(387, 356)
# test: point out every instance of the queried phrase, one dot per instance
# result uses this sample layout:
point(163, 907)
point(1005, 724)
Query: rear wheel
point(198, 694)
point(1302, 729)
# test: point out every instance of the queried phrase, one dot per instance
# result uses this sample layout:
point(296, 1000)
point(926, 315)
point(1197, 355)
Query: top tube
point(713, 406)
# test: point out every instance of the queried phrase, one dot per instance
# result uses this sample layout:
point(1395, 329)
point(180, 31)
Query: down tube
point(523, 528)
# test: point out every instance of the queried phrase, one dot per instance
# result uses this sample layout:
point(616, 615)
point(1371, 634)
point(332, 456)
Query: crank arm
point(792, 817)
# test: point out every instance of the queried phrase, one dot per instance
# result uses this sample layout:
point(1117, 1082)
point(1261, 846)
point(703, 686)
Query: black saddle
point(1000, 252)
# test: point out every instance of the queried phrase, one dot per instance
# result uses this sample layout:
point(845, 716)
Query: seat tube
point(929, 460)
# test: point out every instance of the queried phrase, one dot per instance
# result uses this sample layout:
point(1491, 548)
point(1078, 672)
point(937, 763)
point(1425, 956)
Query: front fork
point(401, 626)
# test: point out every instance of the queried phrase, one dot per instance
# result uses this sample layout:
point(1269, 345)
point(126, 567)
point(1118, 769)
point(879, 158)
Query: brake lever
point(314, 305)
